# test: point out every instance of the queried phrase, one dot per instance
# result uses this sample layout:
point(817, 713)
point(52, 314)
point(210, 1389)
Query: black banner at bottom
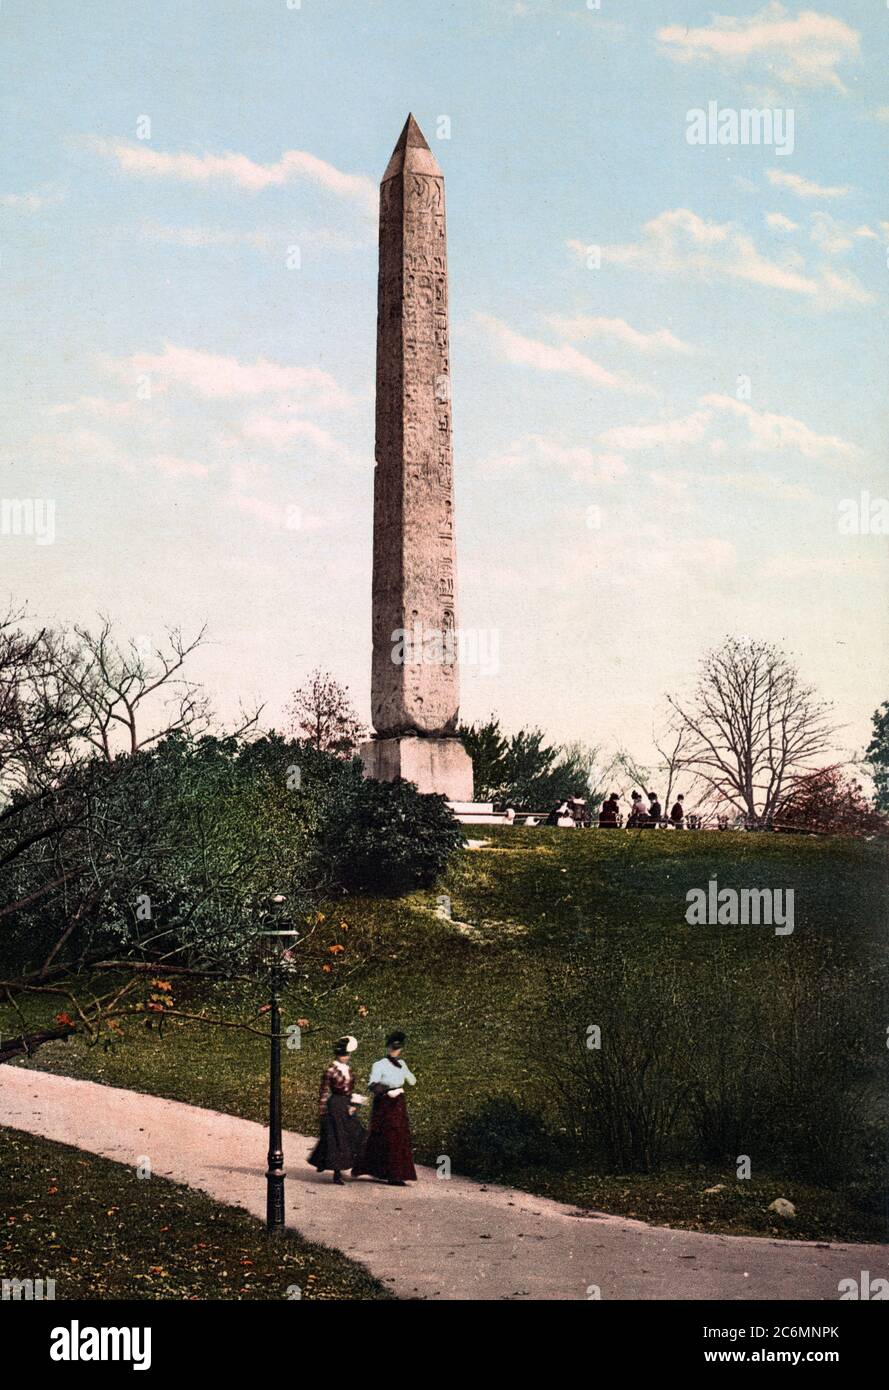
point(58, 1339)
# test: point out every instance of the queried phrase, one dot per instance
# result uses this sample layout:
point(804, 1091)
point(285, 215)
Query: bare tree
point(752, 729)
point(321, 712)
point(116, 684)
point(624, 764)
point(36, 716)
point(671, 745)
point(66, 697)
point(86, 828)
point(674, 745)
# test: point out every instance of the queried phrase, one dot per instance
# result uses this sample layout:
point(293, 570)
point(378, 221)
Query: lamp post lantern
point(275, 942)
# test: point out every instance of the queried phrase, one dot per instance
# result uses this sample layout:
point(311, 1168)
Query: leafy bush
point(502, 1136)
point(388, 837)
point(771, 1056)
point(621, 1100)
point(179, 843)
point(832, 803)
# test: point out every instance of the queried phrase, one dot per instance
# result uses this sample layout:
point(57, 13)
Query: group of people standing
point(384, 1150)
point(640, 817)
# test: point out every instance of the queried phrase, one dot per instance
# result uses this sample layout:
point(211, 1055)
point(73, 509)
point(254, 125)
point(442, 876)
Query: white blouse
point(384, 1073)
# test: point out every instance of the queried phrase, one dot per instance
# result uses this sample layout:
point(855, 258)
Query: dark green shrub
point(773, 1054)
point(387, 837)
point(621, 1097)
point(501, 1136)
point(181, 842)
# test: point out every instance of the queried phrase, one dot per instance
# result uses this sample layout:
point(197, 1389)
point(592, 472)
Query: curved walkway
point(437, 1239)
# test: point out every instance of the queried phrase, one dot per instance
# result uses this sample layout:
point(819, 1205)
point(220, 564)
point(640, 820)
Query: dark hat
point(395, 1040)
point(345, 1046)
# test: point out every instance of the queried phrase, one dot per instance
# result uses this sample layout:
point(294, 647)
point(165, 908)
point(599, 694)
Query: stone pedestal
point(433, 764)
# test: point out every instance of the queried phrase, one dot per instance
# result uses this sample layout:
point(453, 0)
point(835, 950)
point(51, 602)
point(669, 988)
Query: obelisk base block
point(433, 764)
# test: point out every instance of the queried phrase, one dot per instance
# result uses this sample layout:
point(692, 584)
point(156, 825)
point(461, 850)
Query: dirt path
point(438, 1239)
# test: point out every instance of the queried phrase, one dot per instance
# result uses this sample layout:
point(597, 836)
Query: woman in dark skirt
point(342, 1133)
point(387, 1151)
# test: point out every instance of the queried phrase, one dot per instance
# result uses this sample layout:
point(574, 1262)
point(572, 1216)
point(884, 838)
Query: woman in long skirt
point(342, 1133)
point(387, 1151)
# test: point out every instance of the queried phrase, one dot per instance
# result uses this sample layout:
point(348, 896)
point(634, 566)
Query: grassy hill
point(100, 1233)
point(716, 1041)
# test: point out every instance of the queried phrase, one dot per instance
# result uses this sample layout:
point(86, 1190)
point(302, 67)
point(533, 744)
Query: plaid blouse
point(336, 1080)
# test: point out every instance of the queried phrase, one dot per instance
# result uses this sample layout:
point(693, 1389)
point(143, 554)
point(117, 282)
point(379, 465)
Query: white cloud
point(82, 445)
point(802, 50)
point(263, 239)
point(832, 236)
point(239, 170)
point(782, 433)
point(805, 188)
point(763, 485)
point(817, 566)
point(176, 467)
point(829, 235)
point(679, 242)
point(47, 196)
point(671, 558)
point(100, 406)
point(271, 514)
point(544, 357)
point(279, 432)
point(675, 482)
point(779, 223)
point(214, 377)
point(287, 434)
point(88, 446)
point(660, 434)
point(278, 515)
point(579, 462)
point(583, 326)
point(204, 236)
point(766, 432)
point(842, 288)
point(710, 552)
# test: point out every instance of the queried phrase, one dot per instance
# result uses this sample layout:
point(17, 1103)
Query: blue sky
point(651, 442)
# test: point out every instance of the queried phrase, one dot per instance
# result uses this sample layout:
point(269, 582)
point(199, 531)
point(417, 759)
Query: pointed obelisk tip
point(412, 135)
point(411, 152)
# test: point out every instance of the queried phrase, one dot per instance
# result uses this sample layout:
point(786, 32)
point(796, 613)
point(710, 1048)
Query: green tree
point(526, 772)
point(877, 756)
point(153, 853)
point(487, 747)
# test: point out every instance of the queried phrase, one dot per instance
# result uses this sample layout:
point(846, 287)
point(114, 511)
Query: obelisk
point(414, 682)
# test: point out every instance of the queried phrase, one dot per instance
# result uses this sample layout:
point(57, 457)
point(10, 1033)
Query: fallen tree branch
point(27, 1043)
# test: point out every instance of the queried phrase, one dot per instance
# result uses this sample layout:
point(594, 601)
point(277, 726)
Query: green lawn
point(100, 1232)
point(489, 996)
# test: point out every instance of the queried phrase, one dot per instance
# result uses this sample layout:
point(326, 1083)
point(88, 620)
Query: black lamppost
point(275, 942)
